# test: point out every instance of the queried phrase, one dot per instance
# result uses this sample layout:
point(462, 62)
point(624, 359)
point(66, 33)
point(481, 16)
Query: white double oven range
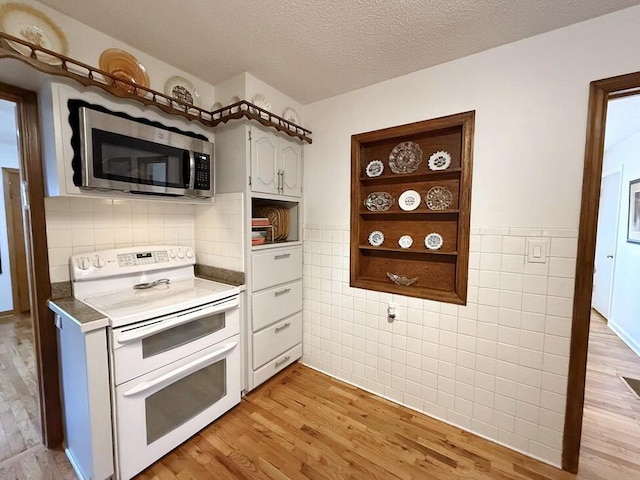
point(172, 353)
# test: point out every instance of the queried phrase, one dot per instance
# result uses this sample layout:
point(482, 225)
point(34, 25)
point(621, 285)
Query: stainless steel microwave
point(122, 154)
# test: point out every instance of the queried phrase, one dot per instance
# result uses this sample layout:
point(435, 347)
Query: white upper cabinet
point(276, 164)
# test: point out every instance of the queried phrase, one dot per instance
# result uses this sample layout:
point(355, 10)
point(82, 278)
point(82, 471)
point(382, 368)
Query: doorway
point(31, 182)
point(600, 93)
point(15, 239)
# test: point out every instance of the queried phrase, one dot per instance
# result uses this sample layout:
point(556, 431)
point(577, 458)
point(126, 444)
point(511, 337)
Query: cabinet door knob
point(281, 292)
point(284, 360)
point(280, 257)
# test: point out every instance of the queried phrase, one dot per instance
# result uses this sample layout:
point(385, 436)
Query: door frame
point(44, 330)
point(600, 92)
point(16, 285)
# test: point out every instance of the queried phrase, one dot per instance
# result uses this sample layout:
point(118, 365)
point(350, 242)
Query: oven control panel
point(142, 258)
point(119, 261)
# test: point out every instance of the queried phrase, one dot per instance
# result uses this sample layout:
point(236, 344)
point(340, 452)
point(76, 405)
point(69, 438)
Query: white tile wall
point(79, 225)
point(218, 234)
point(496, 367)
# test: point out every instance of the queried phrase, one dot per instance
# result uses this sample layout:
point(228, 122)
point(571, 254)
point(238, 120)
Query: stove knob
point(83, 263)
point(172, 254)
point(189, 254)
point(99, 262)
point(180, 254)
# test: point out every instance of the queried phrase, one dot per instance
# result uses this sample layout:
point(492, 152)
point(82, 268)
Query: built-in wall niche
point(410, 208)
point(282, 219)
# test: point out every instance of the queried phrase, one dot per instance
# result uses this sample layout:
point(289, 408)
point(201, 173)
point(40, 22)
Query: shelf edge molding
point(88, 75)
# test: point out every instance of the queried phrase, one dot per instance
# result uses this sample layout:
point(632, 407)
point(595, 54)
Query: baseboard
point(624, 336)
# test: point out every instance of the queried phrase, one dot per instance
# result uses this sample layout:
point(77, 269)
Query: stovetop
point(105, 281)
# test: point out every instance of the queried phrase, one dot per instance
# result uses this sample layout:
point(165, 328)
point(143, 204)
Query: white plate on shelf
point(433, 241)
point(405, 241)
point(439, 160)
point(376, 238)
point(409, 200)
point(374, 168)
point(31, 25)
point(290, 115)
point(216, 106)
point(181, 89)
point(260, 101)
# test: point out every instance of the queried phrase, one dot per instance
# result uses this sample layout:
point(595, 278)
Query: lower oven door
point(158, 411)
point(151, 344)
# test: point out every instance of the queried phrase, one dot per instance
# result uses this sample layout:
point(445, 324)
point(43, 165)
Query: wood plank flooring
point(306, 425)
point(611, 425)
point(19, 408)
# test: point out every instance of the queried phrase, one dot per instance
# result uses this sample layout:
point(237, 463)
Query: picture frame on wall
point(633, 229)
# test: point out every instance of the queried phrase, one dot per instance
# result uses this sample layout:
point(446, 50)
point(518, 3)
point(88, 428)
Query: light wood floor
point(19, 409)
point(611, 426)
point(305, 425)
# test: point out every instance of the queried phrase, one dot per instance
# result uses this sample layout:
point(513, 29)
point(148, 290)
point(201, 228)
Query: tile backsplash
point(78, 225)
point(496, 367)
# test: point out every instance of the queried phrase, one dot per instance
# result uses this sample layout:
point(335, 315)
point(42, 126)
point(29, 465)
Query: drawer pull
point(281, 256)
point(284, 360)
point(282, 327)
point(281, 292)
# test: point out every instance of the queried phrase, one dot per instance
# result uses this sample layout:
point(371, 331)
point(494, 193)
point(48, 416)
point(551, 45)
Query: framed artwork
point(633, 229)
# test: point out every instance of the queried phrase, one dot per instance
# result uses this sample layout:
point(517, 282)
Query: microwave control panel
point(203, 171)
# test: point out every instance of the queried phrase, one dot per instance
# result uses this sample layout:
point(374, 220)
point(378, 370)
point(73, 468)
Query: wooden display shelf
point(88, 75)
point(407, 250)
point(400, 215)
point(423, 176)
point(441, 274)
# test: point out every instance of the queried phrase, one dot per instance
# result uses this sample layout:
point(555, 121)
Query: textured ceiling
point(314, 49)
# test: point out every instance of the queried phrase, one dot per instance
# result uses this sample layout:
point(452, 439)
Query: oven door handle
point(181, 372)
point(162, 325)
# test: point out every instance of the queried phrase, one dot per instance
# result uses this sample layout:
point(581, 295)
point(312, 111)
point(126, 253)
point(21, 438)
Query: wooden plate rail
point(91, 76)
point(442, 274)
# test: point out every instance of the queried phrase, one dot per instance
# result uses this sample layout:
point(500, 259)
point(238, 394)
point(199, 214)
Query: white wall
point(8, 158)
point(498, 366)
point(625, 302)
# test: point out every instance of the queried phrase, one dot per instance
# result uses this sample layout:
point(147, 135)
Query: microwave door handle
point(181, 372)
point(192, 171)
point(161, 326)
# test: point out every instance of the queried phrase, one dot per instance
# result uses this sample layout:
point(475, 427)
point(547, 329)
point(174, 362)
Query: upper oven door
point(151, 344)
point(121, 154)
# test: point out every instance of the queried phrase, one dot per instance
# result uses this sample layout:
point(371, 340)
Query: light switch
point(537, 250)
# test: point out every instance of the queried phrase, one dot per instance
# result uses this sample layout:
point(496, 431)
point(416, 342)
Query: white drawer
point(277, 364)
point(273, 304)
point(273, 340)
point(273, 267)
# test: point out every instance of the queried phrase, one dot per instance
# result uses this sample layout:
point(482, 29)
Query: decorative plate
point(123, 65)
point(400, 280)
point(260, 101)
point(181, 89)
point(378, 201)
point(374, 168)
point(439, 160)
point(409, 200)
point(216, 106)
point(438, 198)
point(433, 241)
point(405, 157)
point(33, 26)
point(405, 241)
point(376, 238)
point(232, 100)
point(290, 115)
